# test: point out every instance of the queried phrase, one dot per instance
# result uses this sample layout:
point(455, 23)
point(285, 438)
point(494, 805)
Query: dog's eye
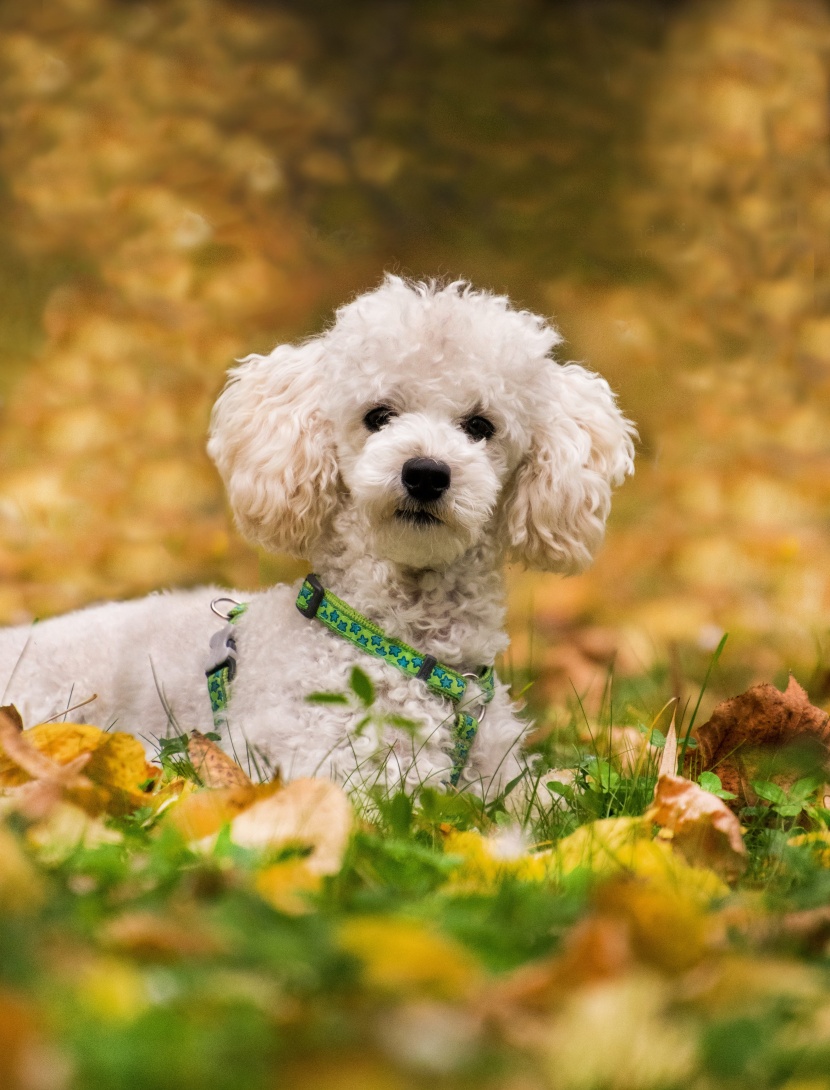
point(478, 428)
point(378, 418)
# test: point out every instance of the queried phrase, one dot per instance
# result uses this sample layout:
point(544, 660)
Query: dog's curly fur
point(307, 476)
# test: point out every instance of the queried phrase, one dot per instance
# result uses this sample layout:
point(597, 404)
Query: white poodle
point(408, 451)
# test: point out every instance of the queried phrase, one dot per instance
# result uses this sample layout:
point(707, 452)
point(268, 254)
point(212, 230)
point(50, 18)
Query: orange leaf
point(700, 825)
point(202, 813)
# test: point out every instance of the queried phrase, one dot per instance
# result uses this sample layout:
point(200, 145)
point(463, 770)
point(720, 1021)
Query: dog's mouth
point(417, 516)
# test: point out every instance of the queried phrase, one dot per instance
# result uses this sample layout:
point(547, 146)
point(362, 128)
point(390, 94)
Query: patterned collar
point(317, 603)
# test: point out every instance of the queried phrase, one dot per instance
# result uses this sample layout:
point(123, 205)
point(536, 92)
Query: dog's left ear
point(555, 512)
point(273, 446)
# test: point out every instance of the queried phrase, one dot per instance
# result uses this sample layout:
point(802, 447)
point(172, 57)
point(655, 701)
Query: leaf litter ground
point(176, 923)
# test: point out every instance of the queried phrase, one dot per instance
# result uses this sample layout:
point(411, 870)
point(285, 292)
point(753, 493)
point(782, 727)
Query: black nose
point(425, 479)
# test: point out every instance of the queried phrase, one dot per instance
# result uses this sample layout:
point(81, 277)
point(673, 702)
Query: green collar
point(317, 603)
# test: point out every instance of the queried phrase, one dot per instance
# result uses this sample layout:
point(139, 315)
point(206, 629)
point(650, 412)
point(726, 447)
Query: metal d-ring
point(223, 616)
point(483, 712)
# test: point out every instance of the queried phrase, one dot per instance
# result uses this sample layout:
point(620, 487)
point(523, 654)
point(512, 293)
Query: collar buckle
point(318, 593)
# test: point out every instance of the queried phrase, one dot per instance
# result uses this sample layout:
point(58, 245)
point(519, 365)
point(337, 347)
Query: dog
point(409, 451)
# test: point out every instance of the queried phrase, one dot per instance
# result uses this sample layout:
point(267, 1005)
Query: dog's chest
point(284, 659)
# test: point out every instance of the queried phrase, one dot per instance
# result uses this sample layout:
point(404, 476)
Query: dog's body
point(410, 450)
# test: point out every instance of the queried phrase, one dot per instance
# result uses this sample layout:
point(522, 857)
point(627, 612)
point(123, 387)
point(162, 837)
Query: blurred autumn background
point(185, 182)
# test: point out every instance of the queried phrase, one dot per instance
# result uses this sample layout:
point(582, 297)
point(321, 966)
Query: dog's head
point(437, 413)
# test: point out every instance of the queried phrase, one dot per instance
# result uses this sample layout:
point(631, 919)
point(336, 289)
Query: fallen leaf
point(761, 718)
point(49, 752)
point(596, 948)
point(287, 885)
point(306, 813)
point(618, 1034)
point(65, 829)
point(39, 783)
point(11, 712)
point(700, 826)
point(201, 813)
point(118, 768)
point(485, 861)
point(45, 763)
point(615, 846)
point(149, 936)
point(406, 956)
point(20, 884)
point(668, 929)
point(212, 765)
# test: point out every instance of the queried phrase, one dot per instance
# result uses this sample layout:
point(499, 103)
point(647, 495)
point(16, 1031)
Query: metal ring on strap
point(218, 612)
point(480, 715)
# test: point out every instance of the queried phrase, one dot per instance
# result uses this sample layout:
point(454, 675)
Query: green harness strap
point(317, 603)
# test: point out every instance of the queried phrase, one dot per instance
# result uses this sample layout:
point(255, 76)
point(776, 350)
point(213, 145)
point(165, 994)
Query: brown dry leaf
point(11, 712)
point(700, 825)
point(213, 766)
point(596, 948)
point(760, 717)
point(307, 813)
point(150, 937)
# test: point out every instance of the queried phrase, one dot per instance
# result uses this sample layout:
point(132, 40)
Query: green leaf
point(327, 698)
point(169, 747)
point(409, 725)
point(710, 782)
point(802, 789)
point(362, 725)
point(789, 809)
point(399, 814)
point(361, 685)
point(770, 792)
point(657, 739)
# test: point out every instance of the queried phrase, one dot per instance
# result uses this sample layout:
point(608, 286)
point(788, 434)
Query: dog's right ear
point(273, 447)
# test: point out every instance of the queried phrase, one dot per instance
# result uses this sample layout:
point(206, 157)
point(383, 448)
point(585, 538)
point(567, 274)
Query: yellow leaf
point(113, 989)
point(20, 885)
point(667, 928)
point(487, 861)
point(404, 956)
point(819, 841)
point(114, 765)
point(118, 767)
point(61, 743)
point(618, 1034)
point(623, 845)
point(286, 885)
